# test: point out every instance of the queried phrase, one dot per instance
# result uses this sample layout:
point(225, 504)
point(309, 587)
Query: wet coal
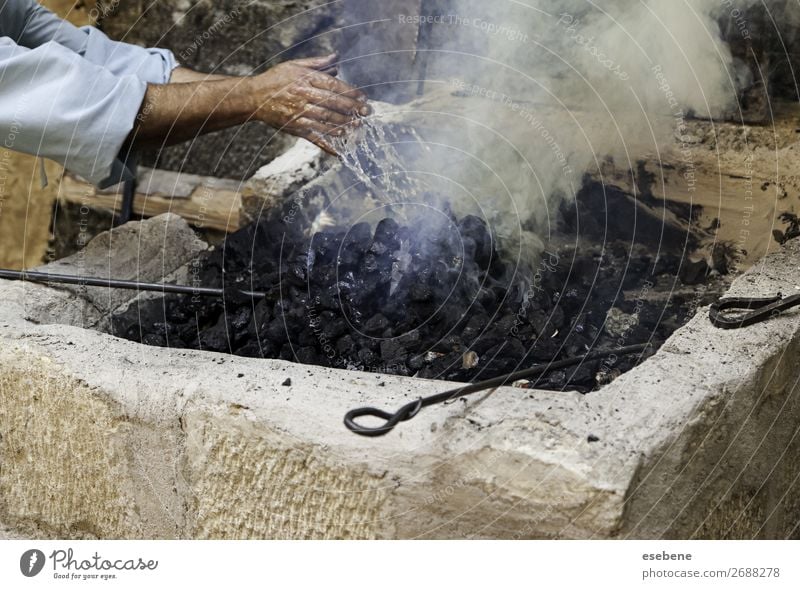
point(399, 298)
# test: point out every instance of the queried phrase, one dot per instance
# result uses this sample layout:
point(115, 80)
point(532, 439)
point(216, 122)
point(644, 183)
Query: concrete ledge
point(276, 182)
point(101, 437)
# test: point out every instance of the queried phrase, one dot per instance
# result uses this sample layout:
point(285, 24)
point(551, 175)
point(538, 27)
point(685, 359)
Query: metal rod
point(48, 278)
point(128, 192)
point(421, 54)
point(409, 410)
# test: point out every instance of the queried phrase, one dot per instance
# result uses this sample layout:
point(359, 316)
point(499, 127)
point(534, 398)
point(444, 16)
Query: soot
point(400, 299)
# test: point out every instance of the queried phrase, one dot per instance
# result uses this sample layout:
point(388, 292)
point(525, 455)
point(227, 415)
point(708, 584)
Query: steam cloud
point(549, 90)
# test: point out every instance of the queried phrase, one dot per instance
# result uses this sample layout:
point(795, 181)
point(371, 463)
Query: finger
point(317, 63)
point(320, 80)
point(336, 102)
point(321, 142)
point(318, 139)
point(332, 71)
point(319, 113)
point(305, 124)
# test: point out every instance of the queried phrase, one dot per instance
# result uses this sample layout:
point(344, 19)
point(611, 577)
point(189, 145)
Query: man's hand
point(303, 98)
point(300, 97)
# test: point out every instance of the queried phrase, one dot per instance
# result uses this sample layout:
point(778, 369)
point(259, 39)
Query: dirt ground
point(25, 207)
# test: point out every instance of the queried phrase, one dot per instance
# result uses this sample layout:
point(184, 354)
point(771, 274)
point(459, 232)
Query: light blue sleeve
point(58, 105)
point(29, 24)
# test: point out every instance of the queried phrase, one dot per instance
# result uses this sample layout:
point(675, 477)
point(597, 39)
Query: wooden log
point(205, 202)
point(741, 177)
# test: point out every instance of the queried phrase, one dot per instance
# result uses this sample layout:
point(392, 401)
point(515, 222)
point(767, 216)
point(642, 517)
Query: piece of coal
point(693, 272)
point(414, 297)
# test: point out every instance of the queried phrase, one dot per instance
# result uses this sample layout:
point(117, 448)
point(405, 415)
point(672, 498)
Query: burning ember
point(429, 299)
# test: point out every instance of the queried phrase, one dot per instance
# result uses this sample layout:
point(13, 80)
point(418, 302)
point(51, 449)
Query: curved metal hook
point(760, 309)
point(405, 413)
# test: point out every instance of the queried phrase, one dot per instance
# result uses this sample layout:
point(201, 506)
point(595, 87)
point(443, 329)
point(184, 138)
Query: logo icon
point(31, 562)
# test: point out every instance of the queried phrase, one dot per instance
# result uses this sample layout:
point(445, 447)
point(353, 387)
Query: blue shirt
point(71, 94)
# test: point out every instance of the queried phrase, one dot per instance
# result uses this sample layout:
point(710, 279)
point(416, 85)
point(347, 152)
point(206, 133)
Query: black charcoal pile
point(409, 299)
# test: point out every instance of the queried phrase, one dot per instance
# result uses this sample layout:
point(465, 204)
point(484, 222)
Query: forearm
point(182, 75)
point(171, 113)
point(300, 97)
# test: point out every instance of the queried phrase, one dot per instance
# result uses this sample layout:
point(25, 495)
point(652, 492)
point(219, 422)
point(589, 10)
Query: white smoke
point(547, 91)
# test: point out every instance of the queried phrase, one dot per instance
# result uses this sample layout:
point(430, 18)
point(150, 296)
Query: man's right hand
point(302, 97)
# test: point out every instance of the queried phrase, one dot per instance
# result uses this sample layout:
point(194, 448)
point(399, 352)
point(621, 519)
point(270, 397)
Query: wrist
point(251, 96)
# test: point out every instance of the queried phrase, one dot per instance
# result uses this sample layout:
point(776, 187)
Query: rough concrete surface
point(276, 182)
point(104, 437)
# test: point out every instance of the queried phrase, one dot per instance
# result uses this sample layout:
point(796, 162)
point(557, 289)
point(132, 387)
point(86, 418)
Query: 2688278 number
point(745, 572)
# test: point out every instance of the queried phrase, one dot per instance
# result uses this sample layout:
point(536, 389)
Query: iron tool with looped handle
point(410, 410)
point(727, 313)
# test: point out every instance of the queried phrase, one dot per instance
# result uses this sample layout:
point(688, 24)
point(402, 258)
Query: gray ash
point(436, 304)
